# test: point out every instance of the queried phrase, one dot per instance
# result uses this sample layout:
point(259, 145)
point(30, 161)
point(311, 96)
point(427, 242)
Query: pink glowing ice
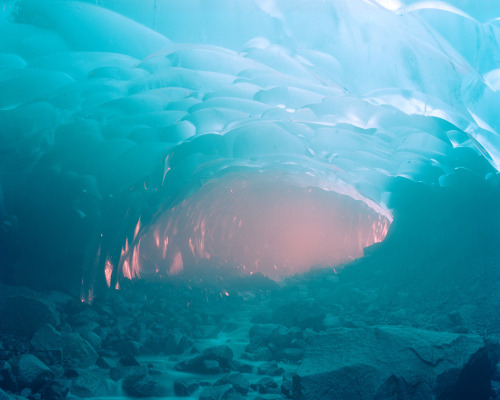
point(257, 222)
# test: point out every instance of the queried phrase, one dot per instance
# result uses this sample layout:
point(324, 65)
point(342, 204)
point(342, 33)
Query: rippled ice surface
point(126, 126)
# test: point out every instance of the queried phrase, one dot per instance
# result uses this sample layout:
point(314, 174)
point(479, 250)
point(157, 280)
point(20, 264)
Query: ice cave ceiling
point(156, 137)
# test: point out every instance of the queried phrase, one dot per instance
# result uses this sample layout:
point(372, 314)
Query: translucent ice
point(120, 118)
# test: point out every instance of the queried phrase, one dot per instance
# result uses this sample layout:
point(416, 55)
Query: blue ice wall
point(114, 111)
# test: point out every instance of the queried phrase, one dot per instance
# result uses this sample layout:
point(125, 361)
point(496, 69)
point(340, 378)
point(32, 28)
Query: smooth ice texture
point(114, 112)
point(257, 222)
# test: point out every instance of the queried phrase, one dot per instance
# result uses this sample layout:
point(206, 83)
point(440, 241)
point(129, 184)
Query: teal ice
point(125, 126)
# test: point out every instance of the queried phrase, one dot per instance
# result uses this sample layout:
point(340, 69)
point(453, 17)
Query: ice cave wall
point(113, 112)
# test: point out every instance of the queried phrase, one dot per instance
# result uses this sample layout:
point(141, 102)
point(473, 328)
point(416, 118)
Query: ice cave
point(250, 199)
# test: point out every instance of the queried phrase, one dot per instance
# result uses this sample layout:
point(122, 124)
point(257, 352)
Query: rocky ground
point(324, 335)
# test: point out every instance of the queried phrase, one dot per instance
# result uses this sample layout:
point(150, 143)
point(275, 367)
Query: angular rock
point(175, 343)
point(77, 351)
point(7, 379)
point(303, 314)
point(23, 315)
point(46, 338)
point(56, 390)
point(387, 362)
point(32, 373)
point(204, 364)
point(224, 392)
point(90, 384)
point(239, 382)
point(127, 348)
point(92, 337)
point(107, 362)
point(265, 331)
point(236, 365)
point(5, 396)
point(287, 387)
point(270, 368)
point(141, 384)
point(211, 367)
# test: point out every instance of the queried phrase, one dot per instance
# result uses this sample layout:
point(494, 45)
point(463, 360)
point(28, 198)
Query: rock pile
point(165, 339)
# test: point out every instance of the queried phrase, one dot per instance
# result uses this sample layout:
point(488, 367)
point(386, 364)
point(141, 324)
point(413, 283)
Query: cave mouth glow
point(272, 222)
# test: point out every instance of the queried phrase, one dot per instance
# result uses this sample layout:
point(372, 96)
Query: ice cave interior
point(189, 141)
point(311, 125)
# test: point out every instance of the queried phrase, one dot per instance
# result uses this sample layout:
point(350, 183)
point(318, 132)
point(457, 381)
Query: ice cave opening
point(271, 222)
point(250, 199)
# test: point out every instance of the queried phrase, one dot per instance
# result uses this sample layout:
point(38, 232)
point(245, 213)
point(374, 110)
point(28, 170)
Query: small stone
point(266, 385)
point(287, 387)
point(291, 354)
point(270, 368)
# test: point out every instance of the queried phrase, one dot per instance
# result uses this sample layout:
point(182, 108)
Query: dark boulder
point(270, 368)
point(7, 379)
point(31, 372)
point(5, 396)
point(239, 382)
point(75, 350)
point(387, 362)
point(56, 390)
point(90, 384)
point(185, 387)
point(266, 385)
point(223, 392)
point(205, 363)
point(23, 315)
point(46, 338)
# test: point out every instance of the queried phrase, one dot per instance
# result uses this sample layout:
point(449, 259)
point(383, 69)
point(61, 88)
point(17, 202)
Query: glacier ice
point(116, 115)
